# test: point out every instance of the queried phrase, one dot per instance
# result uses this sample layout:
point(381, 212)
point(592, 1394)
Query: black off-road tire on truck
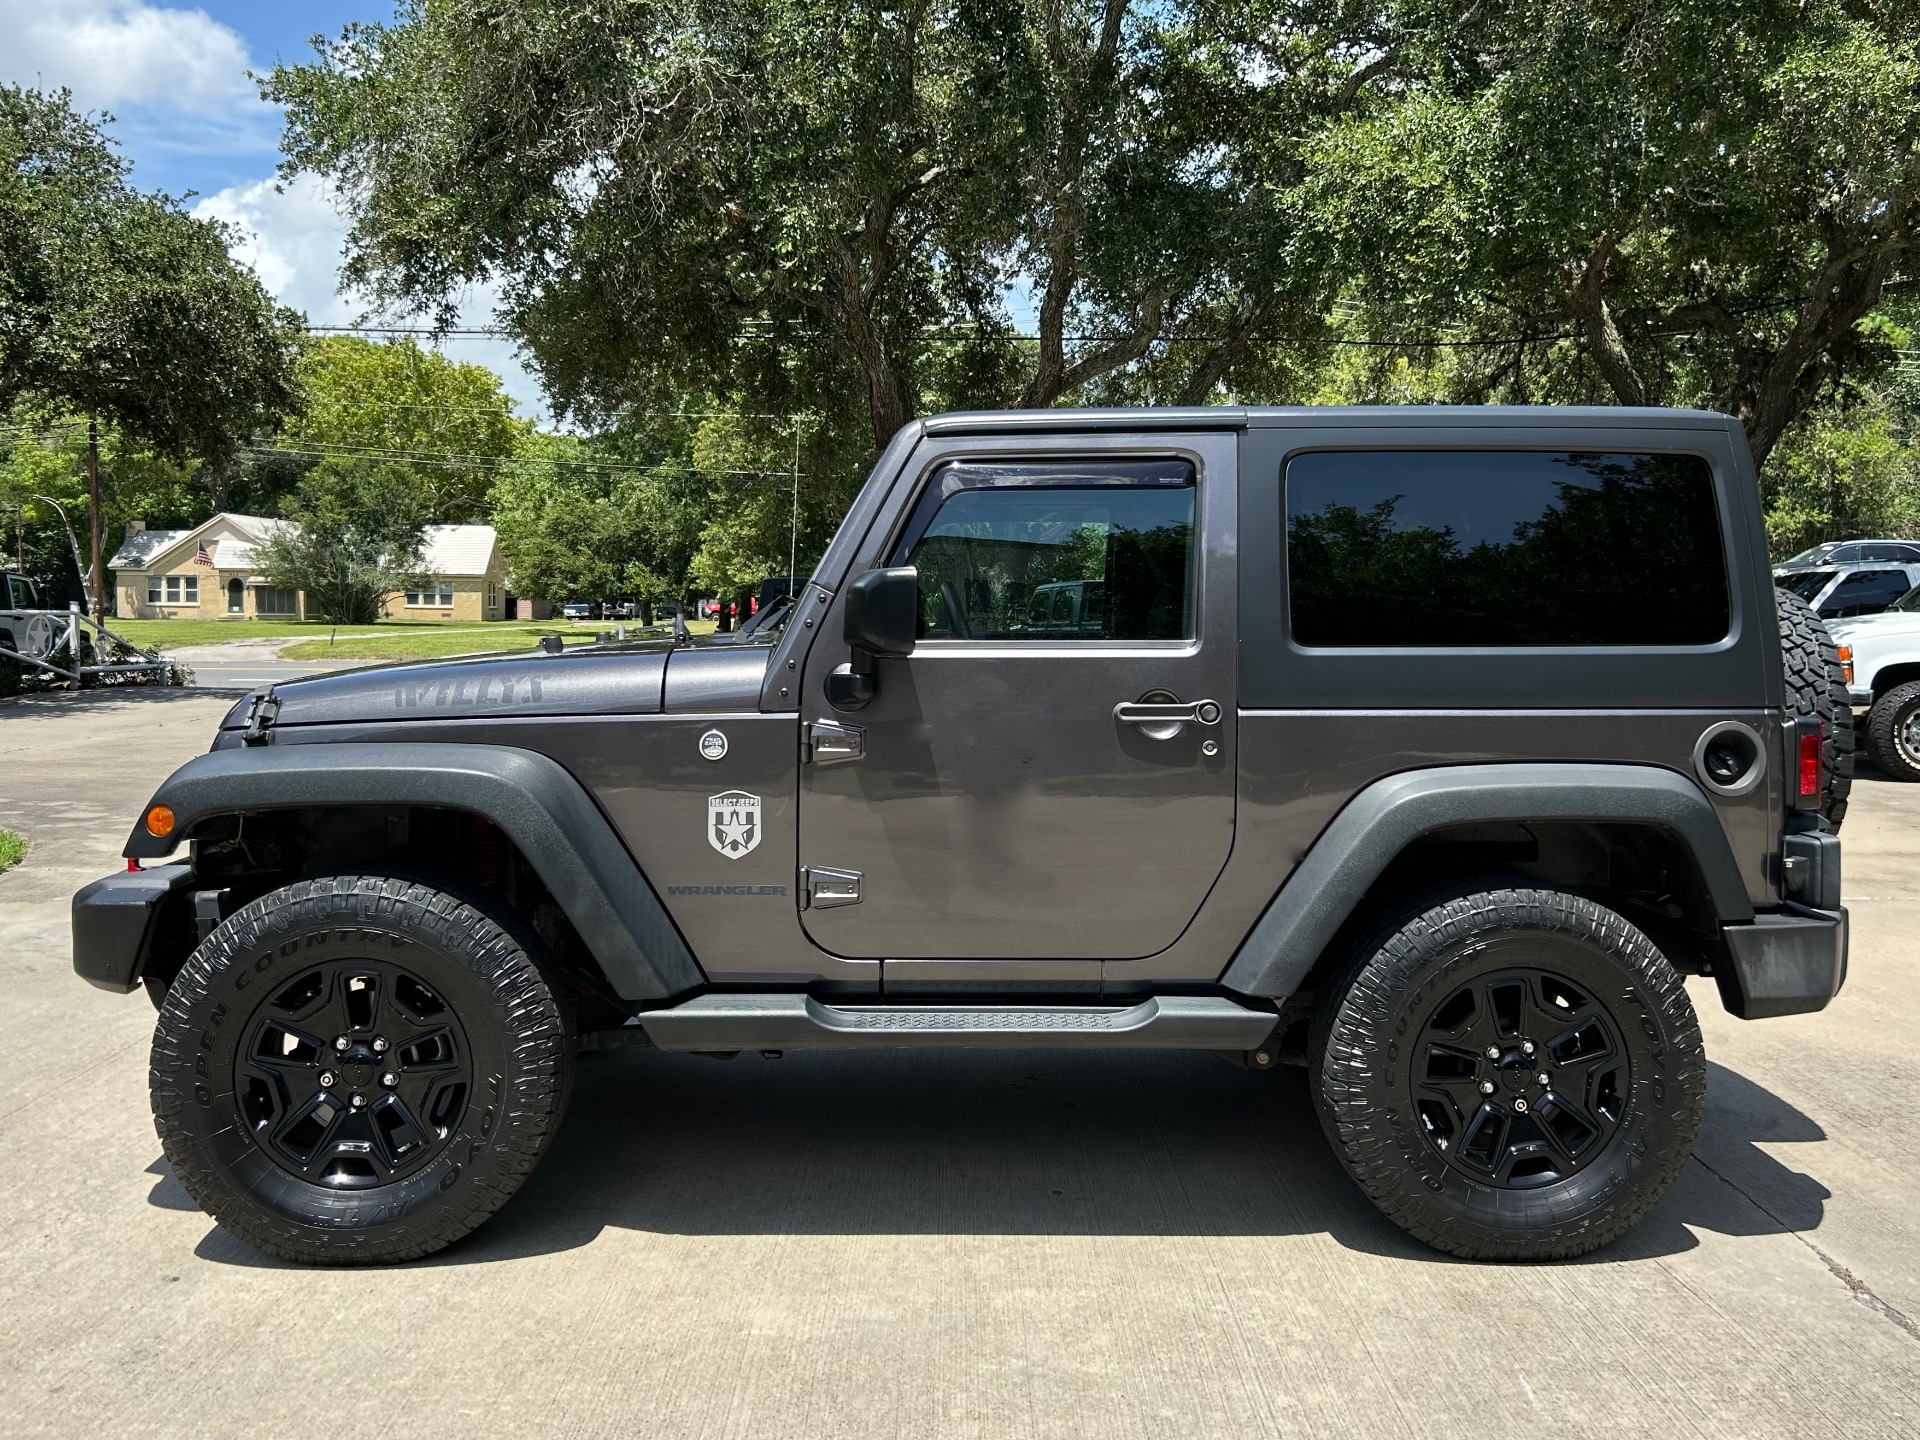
point(1893, 732)
point(1426, 1087)
point(1817, 685)
point(359, 1069)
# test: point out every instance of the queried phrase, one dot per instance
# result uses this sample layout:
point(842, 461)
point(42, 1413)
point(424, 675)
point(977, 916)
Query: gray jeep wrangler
point(1428, 749)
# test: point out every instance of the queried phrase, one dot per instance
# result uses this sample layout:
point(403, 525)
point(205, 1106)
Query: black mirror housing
point(883, 612)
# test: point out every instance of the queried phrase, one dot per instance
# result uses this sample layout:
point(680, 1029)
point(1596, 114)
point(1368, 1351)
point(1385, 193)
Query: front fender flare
point(1383, 819)
point(542, 808)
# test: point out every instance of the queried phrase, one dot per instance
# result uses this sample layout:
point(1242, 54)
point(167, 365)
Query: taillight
point(1809, 788)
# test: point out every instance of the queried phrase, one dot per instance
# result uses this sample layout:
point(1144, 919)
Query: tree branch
point(1603, 339)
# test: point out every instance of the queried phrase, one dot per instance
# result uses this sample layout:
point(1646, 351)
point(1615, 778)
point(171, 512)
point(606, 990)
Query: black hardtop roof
point(1190, 417)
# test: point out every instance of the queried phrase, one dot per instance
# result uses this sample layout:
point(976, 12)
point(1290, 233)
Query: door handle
point(1146, 712)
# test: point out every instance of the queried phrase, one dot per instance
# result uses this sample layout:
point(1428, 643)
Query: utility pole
point(94, 594)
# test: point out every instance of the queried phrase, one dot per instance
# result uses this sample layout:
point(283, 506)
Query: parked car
point(1838, 593)
point(25, 628)
point(1850, 552)
point(1881, 655)
point(579, 610)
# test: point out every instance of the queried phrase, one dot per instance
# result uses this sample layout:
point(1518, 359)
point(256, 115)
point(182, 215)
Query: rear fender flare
point(1390, 814)
point(529, 796)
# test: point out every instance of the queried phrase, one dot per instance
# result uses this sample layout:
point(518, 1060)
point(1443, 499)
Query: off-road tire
point(1368, 1035)
point(515, 1031)
point(1817, 685)
point(1893, 713)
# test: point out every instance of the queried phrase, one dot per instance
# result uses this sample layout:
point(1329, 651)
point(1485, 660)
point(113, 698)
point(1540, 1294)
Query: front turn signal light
point(160, 821)
point(1846, 661)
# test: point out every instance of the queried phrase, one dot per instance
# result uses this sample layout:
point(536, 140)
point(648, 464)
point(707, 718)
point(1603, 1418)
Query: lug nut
point(326, 1079)
point(1520, 1105)
point(1493, 1052)
point(379, 1044)
point(1544, 1078)
point(359, 1101)
point(1526, 1047)
point(389, 1079)
point(1486, 1087)
point(340, 1042)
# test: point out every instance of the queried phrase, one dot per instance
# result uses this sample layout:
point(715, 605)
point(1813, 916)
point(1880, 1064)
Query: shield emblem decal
point(733, 823)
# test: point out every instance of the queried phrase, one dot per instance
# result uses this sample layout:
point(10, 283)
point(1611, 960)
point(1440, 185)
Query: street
point(966, 1243)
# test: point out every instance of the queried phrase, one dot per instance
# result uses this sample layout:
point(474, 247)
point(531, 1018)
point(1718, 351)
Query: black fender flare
point(1388, 815)
point(543, 809)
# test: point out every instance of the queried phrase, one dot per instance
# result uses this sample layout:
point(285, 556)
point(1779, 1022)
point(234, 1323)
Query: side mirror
point(882, 618)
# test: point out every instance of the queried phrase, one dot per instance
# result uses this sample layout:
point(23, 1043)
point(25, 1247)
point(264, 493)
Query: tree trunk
point(96, 597)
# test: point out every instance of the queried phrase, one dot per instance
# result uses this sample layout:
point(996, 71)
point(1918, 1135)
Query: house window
point(173, 589)
point(275, 602)
point(441, 599)
point(493, 596)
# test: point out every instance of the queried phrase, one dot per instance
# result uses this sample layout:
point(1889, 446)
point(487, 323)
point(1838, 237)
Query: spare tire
point(1817, 685)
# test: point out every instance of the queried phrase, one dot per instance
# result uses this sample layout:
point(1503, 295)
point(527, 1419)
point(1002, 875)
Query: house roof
point(449, 550)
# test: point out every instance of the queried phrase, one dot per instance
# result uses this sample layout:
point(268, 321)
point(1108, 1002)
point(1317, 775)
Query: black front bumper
point(114, 920)
point(1785, 963)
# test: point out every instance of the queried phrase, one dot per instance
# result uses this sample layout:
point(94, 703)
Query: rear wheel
point(1512, 1074)
point(358, 1069)
point(1893, 731)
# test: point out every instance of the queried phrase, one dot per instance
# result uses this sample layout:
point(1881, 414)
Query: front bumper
point(1785, 963)
point(114, 920)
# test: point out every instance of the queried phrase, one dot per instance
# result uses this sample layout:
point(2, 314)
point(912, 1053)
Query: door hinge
point(822, 887)
point(260, 716)
point(830, 743)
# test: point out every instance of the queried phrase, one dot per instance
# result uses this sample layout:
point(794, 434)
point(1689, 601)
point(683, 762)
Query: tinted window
point(1054, 551)
point(1495, 548)
point(1865, 593)
point(1899, 553)
point(1807, 584)
point(1844, 555)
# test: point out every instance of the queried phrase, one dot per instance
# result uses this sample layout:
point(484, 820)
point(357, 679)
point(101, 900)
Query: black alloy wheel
point(1521, 1078)
point(353, 1074)
point(360, 1068)
point(1513, 1073)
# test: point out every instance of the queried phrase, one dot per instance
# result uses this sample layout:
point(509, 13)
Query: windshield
point(1909, 602)
point(1808, 583)
point(1814, 553)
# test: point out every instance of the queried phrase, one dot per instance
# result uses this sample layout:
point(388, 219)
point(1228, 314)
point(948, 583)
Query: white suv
point(1882, 658)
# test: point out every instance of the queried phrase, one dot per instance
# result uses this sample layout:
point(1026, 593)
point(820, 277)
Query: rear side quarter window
point(1503, 548)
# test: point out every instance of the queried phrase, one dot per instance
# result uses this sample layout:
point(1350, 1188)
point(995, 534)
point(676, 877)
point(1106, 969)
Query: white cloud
point(293, 239)
point(119, 52)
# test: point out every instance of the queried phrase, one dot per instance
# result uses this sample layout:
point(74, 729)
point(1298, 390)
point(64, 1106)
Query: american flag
point(203, 556)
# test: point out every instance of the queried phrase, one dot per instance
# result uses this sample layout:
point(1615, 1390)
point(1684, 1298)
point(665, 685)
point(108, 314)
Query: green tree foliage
point(120, 304)
point(1633, 201)
point(354, 538)
point(829, 201)
point(446, 423)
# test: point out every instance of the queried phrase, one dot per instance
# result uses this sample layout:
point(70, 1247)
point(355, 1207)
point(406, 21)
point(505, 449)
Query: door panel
point(1000, 809)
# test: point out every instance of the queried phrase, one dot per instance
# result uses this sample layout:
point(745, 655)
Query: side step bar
point(799, 1022)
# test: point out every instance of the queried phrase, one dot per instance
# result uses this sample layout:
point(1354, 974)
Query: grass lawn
point(433, 643)
point(166, 634)
point(13, 849)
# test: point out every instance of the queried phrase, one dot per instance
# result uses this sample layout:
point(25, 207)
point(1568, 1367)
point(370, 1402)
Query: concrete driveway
point(990, 1244)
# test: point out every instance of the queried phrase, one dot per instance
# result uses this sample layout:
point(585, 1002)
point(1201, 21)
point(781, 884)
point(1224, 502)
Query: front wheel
point(1512, 1074)
point(358, 1069)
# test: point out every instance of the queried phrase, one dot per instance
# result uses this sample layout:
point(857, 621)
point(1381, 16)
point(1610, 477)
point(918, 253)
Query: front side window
point(1468, 548)
point(1055, 550)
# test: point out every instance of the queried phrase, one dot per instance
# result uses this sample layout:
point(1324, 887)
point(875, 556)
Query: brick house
point(209, 573)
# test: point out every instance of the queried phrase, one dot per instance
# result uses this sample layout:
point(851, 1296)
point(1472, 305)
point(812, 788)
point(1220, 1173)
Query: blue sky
point(186, 115)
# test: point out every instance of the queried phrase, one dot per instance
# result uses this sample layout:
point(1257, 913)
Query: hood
point(1886, 623)
point(626, 678)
